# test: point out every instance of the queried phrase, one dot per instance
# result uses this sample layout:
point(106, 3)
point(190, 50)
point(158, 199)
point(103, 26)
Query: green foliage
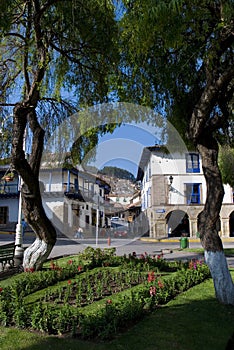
point(226, 164)
point(79, 44)
point(170, 51)
point(94, 302)
point(83, 149)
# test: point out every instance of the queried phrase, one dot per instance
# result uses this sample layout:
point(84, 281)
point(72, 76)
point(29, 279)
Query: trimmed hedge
point(104, 318)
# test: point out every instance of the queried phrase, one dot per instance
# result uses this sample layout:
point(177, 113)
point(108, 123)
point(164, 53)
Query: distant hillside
point(117, 173)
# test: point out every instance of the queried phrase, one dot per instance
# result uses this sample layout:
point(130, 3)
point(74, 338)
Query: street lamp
point(170, 188)
point(98, 211)
point(97, 220)
point(170, 181)
point(19, 250)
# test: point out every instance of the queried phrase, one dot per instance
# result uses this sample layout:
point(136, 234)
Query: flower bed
point(96, 293)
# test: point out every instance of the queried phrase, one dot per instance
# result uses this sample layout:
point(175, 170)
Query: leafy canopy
point(79, 38)
point(172, 50)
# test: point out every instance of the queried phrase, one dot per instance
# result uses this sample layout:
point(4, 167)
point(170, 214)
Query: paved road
point(170, 247)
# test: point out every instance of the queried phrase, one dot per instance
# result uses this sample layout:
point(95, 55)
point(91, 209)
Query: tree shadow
point(185, 323)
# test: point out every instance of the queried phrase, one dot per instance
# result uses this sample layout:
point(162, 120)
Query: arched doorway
point(231, 224)
point(177, 224)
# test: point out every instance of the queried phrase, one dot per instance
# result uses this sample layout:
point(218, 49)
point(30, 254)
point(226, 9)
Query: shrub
point(134, 285)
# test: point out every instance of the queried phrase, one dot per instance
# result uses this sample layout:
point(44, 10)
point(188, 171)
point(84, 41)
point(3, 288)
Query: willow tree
point(178, 57)
point(55, 56)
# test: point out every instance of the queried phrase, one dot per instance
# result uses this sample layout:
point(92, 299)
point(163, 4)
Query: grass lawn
point(192, 321)
point(227, 251)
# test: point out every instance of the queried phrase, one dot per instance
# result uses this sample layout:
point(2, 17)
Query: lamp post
point(170, 180)
point(19, 250)
point(97, 220)
point(170, 188)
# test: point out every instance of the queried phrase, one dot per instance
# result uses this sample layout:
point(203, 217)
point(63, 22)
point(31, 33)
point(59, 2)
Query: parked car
point(121, 233)
point(114, 218)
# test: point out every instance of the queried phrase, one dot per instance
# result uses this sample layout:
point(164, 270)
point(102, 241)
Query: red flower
point(151, 276)
point(109, 301)
point(79, 268)
point(69, 282)
point(70, 262)
point(53, 265)
point(1, 289)
point(29, 269)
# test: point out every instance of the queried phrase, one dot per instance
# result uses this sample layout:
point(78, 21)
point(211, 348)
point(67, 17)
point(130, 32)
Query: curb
point(177, 240)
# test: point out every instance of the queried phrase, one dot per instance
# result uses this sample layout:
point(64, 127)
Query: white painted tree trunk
point(223, 284)
point(36, 254)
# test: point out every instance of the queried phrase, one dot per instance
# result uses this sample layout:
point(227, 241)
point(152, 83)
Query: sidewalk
point(177, 239)
point(169, 247)
point(140, 246)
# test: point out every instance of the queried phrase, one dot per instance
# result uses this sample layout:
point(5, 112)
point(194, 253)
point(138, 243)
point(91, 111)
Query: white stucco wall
point(175, 165)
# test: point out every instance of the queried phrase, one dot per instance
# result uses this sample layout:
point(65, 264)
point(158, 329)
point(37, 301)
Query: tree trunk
point(34, 214)
point(209, 222)
point(32, 206)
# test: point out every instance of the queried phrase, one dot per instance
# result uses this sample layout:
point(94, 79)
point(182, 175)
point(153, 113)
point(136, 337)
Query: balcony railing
point(8, 190)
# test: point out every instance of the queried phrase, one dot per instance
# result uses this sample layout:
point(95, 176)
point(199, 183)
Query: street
point(171, 247)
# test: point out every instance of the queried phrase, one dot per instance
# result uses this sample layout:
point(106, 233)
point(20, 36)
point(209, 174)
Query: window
point(192, 163)
point(76, 184)
point(143, 203)
point(149, 197)
point(192, 192)
point(3, 215)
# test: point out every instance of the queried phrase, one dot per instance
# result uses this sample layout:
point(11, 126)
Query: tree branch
point(37, 143)
point(203, 108)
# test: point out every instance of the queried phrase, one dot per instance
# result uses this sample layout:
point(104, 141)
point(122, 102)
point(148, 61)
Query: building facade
point(71, 198)
point(173, 193)
point(9, 198)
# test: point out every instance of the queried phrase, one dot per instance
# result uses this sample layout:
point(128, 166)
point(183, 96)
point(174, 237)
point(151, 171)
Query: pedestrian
point(79, 233)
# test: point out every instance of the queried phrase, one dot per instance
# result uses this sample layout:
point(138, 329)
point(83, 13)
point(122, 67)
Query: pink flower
point(70, 262)
point(79, 268)
point(109, 301)
point(152, 291)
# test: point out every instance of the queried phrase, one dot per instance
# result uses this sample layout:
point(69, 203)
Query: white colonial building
point(71, 198)
point(173, 192)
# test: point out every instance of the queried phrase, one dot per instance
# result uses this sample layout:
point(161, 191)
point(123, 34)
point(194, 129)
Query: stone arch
point(231, 224)
point(177, 223)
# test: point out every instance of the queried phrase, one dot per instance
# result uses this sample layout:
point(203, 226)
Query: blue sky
point(124, 146)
